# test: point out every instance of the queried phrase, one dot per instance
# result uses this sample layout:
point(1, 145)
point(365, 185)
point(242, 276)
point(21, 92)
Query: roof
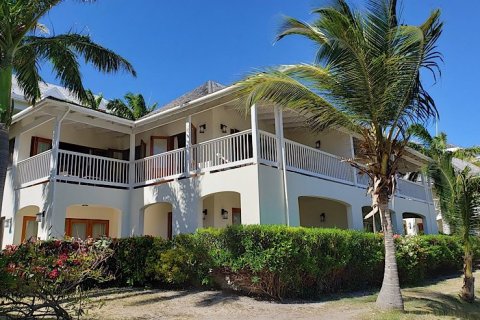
point(205, 89)
point(462, 164)
point(50, 90)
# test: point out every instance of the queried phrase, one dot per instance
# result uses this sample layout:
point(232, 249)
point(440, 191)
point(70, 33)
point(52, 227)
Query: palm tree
point(458, 191)
point(134, 108)
point(366, 78)
point(92, 101)
point(24, 45)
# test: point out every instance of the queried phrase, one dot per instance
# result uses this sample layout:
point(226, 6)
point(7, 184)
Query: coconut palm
point(366, 78)
point(25, 45)
point(458, 191)
point(92, 101)
point(133, 109)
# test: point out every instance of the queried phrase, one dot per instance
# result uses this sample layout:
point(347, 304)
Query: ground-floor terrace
point(248, 193)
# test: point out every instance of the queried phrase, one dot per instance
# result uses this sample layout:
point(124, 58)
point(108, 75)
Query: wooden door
point(236, 216)
point(170, 222)
point(29, 228)
point(85, 228)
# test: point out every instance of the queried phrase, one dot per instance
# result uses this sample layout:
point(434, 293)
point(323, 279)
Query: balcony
point(219, 154)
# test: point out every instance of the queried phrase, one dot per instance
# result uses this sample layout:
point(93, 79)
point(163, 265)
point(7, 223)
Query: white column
point(16, 149)
point(353, 158)
point(188, 145)
point(255, 135)
point(55, 146)
point(281, 155)
point(131, 158)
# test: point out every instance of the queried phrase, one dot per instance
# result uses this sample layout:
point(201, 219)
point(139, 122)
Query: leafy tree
point(366, 78)
point(133, 109)
point(24, 46)
point(458, 191)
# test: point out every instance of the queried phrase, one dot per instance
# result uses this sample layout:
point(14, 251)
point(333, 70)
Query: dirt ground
point(438, 300)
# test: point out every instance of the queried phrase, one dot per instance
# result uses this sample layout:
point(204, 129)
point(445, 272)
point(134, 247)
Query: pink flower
point(10, 249)
point(59, 262)
point(53, 274)
point(11, 267)
point(58, 243)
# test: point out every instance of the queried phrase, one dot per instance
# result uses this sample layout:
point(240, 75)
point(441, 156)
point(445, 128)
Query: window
point(29, 228)
point(84, 228)
point(40, 145)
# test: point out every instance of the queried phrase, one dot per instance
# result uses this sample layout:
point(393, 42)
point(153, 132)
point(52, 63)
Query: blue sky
point(178, 45)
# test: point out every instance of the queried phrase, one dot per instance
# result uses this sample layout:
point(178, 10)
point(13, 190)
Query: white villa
point(197, 162)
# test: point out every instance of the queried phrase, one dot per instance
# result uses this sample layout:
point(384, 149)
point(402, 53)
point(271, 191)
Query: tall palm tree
point(134, 108)
point(92, 101)
point(458, 191)
point(25, 45)
point(366, 78)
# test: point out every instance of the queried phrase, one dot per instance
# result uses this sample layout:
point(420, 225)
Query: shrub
point(44, 279)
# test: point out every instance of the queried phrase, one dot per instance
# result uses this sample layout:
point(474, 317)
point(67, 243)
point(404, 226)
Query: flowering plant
point(44, 279)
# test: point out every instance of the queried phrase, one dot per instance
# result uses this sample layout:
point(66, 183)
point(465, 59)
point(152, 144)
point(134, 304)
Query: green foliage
point(279, 261)
point(134, 108)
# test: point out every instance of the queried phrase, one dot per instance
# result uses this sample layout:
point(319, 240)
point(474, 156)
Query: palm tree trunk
point(390, 296)
point(5, 115)
point(468, 289)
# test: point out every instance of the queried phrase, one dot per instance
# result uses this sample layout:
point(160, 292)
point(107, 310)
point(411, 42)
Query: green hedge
point(279, 261)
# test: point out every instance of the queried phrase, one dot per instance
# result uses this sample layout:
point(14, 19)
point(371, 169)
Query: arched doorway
point(221, 209)
point(157, 220)
point(374, 223)
point(413, 223)
point(86, 220)
point(26, 226)
point(322, 213)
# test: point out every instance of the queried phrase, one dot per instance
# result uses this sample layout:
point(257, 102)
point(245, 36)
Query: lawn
point(437, 300)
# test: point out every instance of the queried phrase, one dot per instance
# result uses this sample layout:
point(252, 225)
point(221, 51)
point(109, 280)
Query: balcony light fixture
point(8, 223)
point(318, 144)
point(205, 211)
point(322, 217)
point(39, 216)
point(202, 128)
point(223, 128)
point(224, 214)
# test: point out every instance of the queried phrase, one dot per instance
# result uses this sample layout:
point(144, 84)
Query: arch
point(25, 223)
point(157, 220)
point(221, 209)
point(93, 220)
point(374, 223)
point(413, 223)
point(323, 212)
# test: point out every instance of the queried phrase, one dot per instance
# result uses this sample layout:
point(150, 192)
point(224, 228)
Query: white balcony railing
point(312, 161)
point(164, 166)
point(86, 168)
point(268, 148)
point(221, 153)
point(34, 169)
point(218, 154)
point(411, 189)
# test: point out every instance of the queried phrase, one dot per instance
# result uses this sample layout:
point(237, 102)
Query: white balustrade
point(268, 148)
point(362, 179)
point(411, 189)
point(34, 169)
point(81, 167)
point(312, 161)
point(167, 165)
point(224, 152)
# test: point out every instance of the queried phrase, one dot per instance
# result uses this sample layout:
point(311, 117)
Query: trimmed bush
point(279, 261)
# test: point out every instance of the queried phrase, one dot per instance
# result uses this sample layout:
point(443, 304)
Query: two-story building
point(197, 162)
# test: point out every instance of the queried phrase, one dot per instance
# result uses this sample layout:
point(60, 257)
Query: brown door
point(29, 228)
point(39, 145)
point(170, 222)
point(236, 216)
point(85, 228)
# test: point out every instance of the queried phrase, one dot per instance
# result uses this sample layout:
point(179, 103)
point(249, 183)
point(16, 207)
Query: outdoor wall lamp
point(318, 144)
point(205, 211)
point(202, 128)
point(39, 216)
point(322, 217)
point(224, 214)
point(8, 223)
point(223, 127)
